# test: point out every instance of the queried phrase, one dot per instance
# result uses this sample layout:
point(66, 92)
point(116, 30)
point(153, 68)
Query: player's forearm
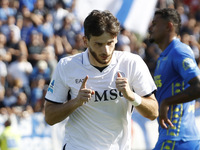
point(55, 113)
point(189, 94)
point(148, 108)
point(183, 97)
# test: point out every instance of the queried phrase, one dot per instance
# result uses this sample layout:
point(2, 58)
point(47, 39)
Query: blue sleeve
point(185, 64)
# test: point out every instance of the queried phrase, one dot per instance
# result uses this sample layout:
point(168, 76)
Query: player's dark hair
point(98, 22)
point(171, 15)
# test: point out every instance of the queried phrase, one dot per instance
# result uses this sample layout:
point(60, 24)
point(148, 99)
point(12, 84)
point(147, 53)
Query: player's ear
point(170, 26)
point(85, 40)
point(115, 39)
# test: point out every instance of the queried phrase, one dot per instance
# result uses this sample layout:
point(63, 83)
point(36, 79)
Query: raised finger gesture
point(84, 94)
point(122, 85)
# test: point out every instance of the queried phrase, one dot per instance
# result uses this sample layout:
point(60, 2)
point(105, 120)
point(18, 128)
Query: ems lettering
point(107, 95)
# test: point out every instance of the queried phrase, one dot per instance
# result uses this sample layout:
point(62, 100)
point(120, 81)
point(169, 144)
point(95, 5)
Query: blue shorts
point(177, 145)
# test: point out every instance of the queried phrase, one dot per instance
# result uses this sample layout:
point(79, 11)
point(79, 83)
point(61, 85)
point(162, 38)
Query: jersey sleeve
point(58, 89)
point(142, 81)
point(185, 64)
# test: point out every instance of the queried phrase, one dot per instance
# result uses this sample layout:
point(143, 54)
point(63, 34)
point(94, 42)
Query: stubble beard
point(151, 40)
point(97, 59)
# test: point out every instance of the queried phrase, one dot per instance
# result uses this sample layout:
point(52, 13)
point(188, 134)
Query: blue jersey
point(175, 67)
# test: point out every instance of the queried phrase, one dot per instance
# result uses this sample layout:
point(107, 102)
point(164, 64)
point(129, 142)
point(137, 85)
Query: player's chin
point(151, 40)
point(105, 61)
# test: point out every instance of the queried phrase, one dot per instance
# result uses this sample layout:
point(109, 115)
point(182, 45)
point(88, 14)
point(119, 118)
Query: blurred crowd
point(36, 34)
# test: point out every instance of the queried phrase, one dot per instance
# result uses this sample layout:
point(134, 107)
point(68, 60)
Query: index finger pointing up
point(84, 82)
point(119, 74)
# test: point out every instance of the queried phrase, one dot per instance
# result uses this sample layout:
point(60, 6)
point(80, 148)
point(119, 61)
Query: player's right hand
point(84, 94)
point(164, 121)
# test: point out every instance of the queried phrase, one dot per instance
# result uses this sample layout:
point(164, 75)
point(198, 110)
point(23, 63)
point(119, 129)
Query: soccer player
point(177, 77)
point(98, 88)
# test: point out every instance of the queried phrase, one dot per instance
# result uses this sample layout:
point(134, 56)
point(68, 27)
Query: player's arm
point(55, 112)
point(146, 106)
point(189, 94)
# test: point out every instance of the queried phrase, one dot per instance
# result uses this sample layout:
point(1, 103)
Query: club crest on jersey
point(51, 85)
point(188, 63)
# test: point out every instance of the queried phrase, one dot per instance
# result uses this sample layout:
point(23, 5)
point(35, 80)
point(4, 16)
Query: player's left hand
point(123, 86)
point(164, 121)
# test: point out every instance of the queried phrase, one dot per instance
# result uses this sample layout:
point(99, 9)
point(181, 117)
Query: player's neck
point(101, 68)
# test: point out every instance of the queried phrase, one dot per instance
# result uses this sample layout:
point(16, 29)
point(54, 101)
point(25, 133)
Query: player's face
point(101, 49)
point(157, 29)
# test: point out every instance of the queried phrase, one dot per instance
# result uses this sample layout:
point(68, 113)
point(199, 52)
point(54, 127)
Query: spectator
point(15, 45)
point(192, 42)
point(123, 41)
point(37, 93)
point(3, 74)
point(196, 32)
point(20, 105)
point(67, 30)
point(18, 87)
point(9, 98)
point(41, 70)
point(5, 28)
point(197, 14)
point(58, 13)
point(26, 30)
point(50, 3)
point(46, 28)
point(62, 47)
point(39, 8)
point(5, 11)
point(35, 48)
point(10, 137)
point(49, 51)
point(5, 54)
point(189, 27)
point(152, 53)
point(79, 44)
point(69, 5)
point(20, 69)
point(29, 4)
point(183, 15)
point(39, 12)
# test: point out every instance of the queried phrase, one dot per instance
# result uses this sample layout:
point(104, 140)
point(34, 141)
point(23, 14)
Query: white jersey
point(103, 123)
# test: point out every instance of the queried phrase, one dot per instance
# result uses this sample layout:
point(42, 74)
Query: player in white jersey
point(97, 90)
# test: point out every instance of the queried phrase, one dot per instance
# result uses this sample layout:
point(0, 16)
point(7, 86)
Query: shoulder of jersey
point(183, 48)
point(70, 59)
point(124, 54)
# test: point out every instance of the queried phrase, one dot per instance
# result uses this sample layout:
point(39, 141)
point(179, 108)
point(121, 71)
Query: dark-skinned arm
point(189, 94)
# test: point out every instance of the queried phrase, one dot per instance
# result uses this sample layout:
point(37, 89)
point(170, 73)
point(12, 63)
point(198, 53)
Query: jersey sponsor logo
point(50, 88)
point(107, 95)
point(158, 64)
point(188, 63)
point(77, 81)
point(191, 108)
point(158, 80)
point(165, 58)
